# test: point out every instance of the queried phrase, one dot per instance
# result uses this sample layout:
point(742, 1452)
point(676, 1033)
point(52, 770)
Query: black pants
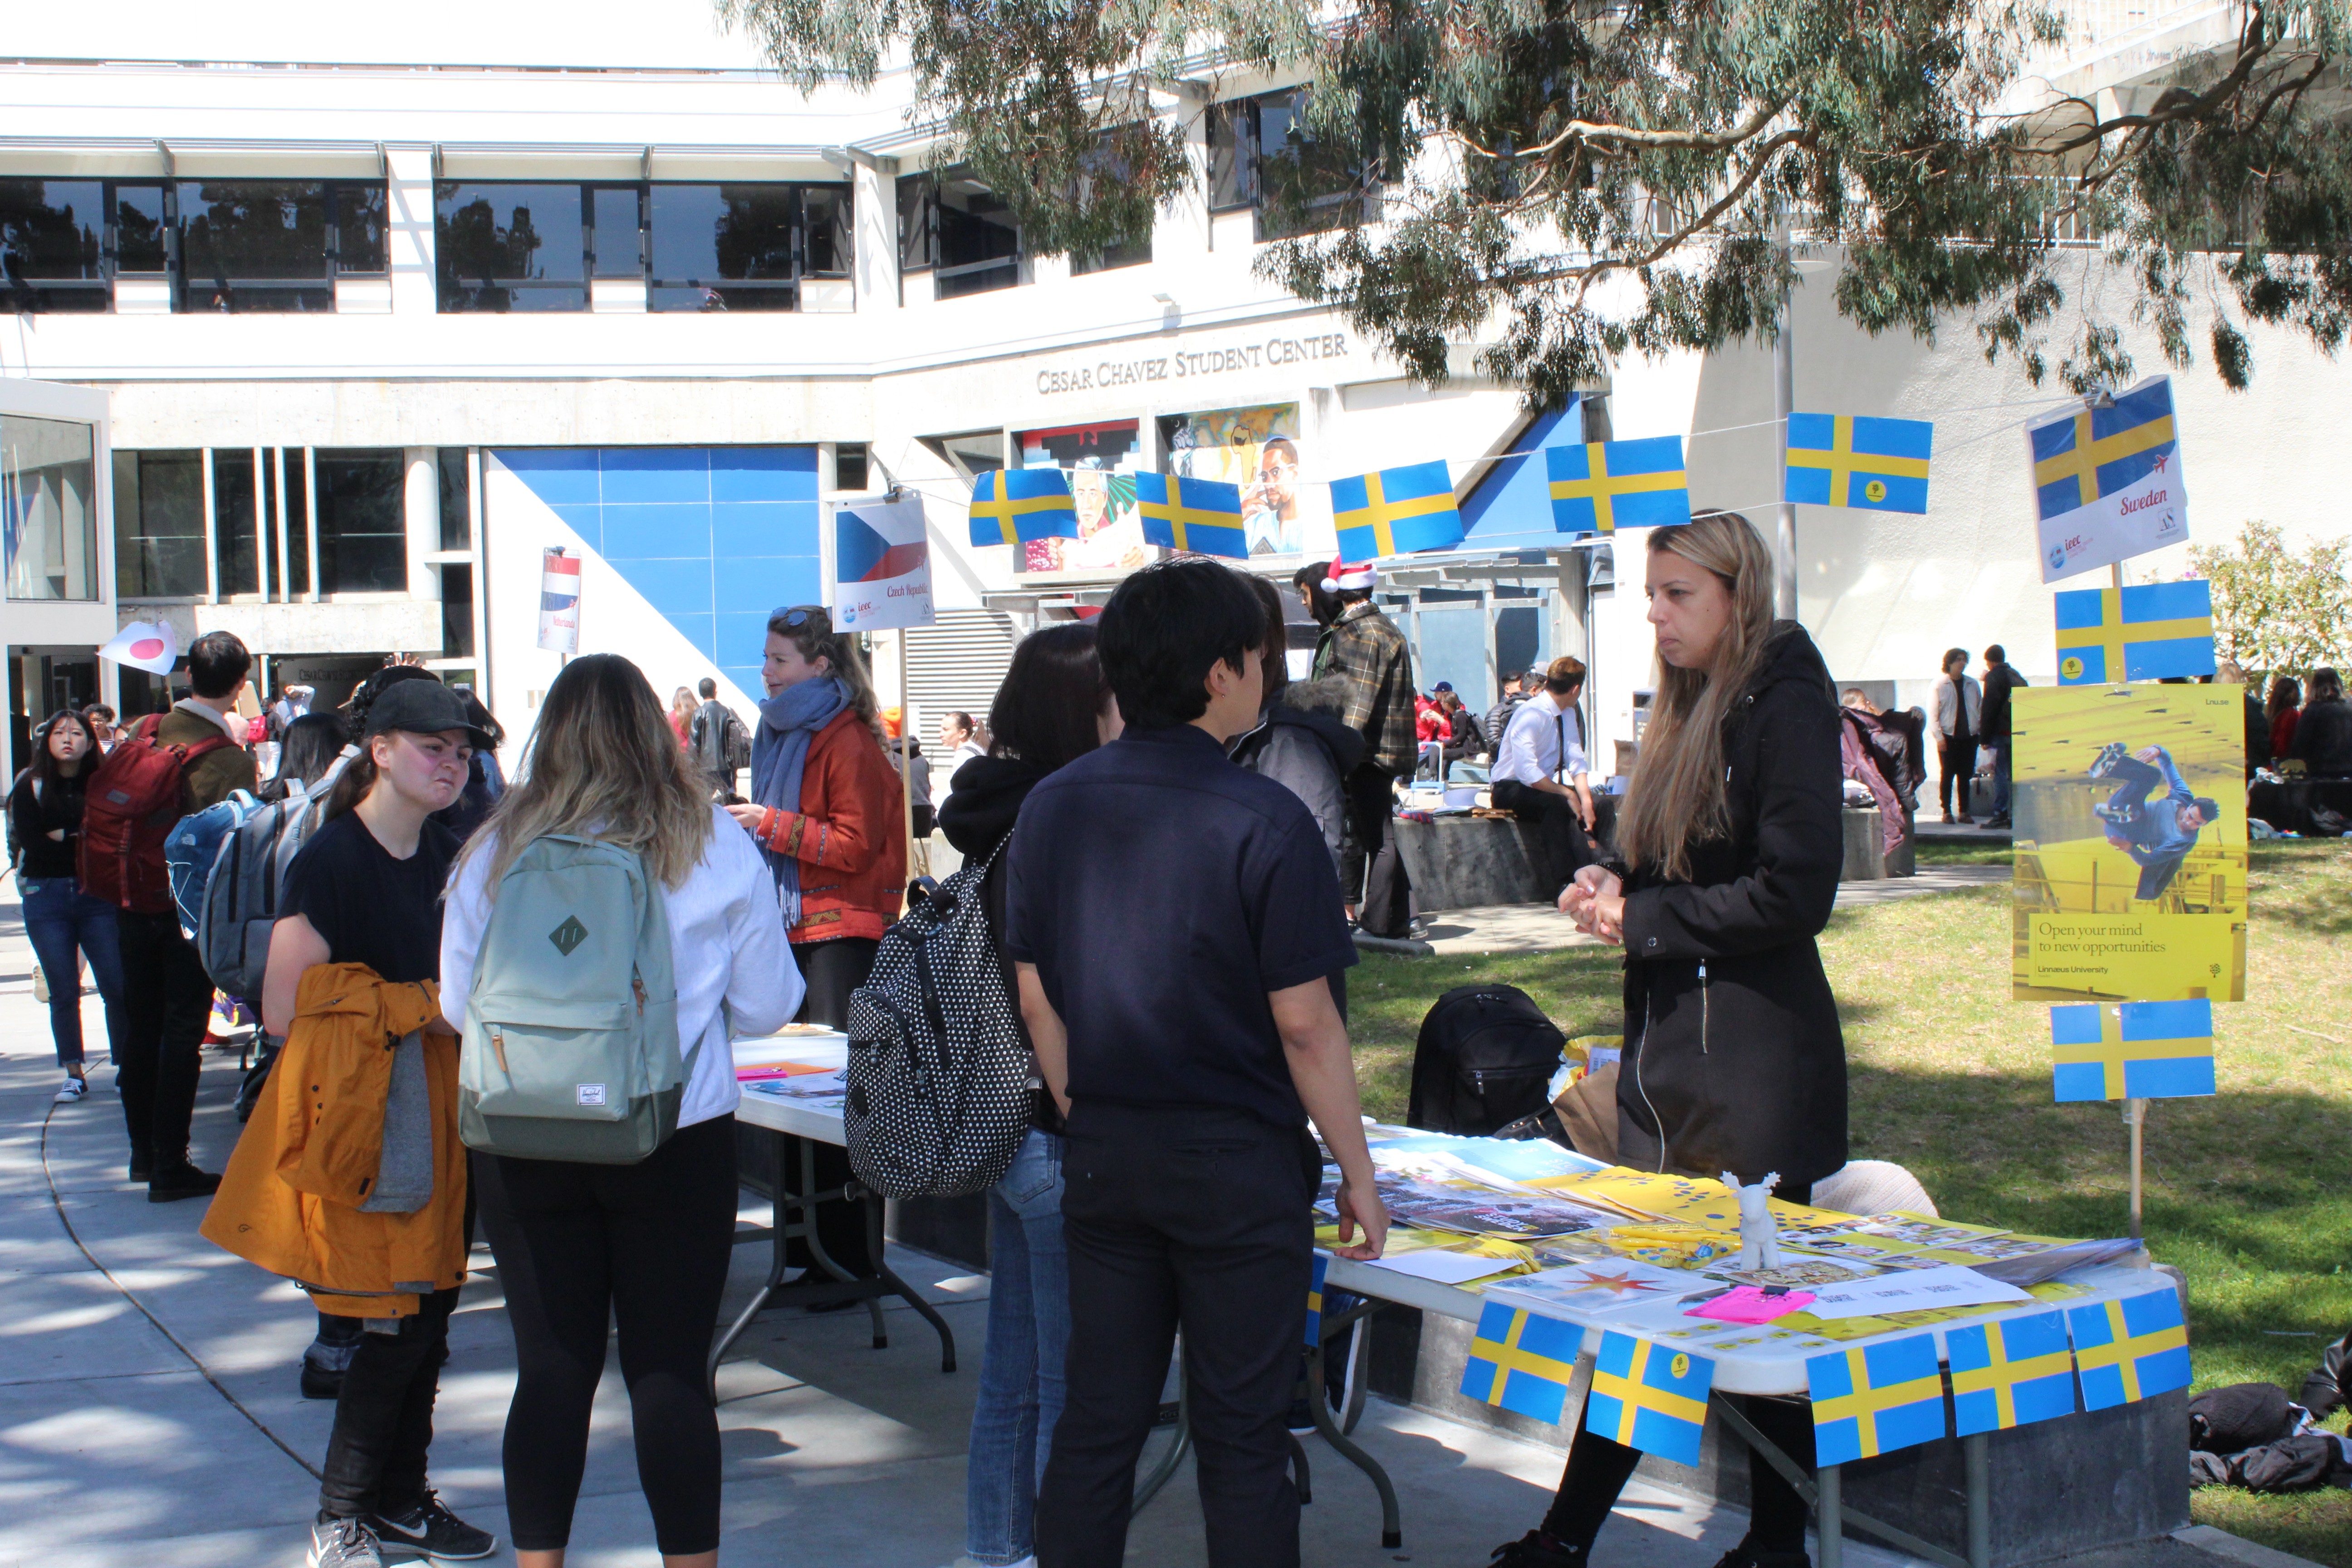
point(1554, 818)
point(1598, 1469)
point(1371, 865)
point(830, 970)
point(1193, 1217)
point(383, 1416)
point(1958, 756)
point(166, 996)
point(645, 1246)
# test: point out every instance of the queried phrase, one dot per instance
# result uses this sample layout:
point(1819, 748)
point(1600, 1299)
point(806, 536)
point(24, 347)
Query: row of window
point(257, 535)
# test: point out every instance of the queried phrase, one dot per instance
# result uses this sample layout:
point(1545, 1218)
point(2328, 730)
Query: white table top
point(809, 1118)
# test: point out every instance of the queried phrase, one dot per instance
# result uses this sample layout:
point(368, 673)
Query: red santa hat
point(1346, 576)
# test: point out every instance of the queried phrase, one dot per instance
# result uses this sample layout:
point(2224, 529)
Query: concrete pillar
point(875, 209)
point(410, 239)
point(420, 514)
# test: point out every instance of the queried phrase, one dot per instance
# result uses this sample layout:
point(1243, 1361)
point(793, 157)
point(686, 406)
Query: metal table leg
point(1831, 1526)
point(899, 1288)
point(1318, 1407)
point(1976, 1454)
point(1833, 1518)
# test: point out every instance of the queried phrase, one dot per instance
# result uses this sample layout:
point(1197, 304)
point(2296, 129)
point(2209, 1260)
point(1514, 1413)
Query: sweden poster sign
point(2130, 882)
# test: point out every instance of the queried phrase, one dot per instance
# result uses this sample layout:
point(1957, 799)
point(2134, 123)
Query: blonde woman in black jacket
point(1729, 846)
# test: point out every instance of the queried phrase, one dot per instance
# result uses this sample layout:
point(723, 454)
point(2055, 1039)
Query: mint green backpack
point(570, 1048)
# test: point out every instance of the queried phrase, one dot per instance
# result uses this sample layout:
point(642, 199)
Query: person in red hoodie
point(825, 811)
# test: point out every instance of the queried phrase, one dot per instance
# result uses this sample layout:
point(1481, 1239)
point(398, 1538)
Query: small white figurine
point(1759, 1239)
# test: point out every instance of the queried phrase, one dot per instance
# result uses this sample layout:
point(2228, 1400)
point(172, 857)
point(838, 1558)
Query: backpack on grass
point(1483, 1060)
point(570, 1048)
point(939, 1072)
point(133, 802)
point(235, 902)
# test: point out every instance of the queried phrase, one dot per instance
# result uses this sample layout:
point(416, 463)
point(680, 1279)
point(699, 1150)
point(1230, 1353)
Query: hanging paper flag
point(1648, 1397)
point(1853, 460)
point(151, 645)
point(1875, 1399)
point(2107, 481)
point(1396, 511)
point(559, 601)
point(1314, 1300)
point(2132, 1051)
point(1014, 506)
point(1521, 1362)
point(1200, 515)
point(2129, 1349)
point(882, 566)
point(2147, 632)
point(1603, 486)
point(2009, 1373)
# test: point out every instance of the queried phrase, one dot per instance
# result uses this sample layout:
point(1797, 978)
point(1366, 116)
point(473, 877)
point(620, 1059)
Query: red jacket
point(849, 835)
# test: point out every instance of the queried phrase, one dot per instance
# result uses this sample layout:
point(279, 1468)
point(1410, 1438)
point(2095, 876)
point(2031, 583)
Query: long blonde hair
point(847, 660)
point(1674, 798)
point(603, 763)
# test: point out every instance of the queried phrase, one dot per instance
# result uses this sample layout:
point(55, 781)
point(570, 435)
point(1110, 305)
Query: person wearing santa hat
point(1366, 656)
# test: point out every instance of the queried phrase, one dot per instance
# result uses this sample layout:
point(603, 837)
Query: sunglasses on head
point(799, 615)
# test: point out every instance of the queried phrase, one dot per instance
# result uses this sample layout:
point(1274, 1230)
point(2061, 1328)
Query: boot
point(175, 1178)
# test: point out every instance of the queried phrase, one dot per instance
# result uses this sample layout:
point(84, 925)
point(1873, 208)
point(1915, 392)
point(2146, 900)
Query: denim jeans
point(1021, 1386)
point(66, 925)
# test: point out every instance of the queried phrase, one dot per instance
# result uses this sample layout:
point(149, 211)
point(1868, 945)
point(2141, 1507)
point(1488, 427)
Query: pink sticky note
point(1750, 1304)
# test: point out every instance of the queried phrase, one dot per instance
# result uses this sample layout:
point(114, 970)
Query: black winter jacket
point(1733, 1057)
point(985, 797)
point(2323, 739)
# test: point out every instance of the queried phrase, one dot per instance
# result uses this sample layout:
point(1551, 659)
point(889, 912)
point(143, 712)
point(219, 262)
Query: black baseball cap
point(424, 708)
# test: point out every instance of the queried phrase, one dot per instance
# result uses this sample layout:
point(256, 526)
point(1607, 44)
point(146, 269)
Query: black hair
point(479, 715)
point(2210, 809)
point(363, 696)
point(44, 766)
point(1996, 654)
point(1045, 713)
point(1321, 603)
point(310, 748)
point(99, 711)
point(1277, 642)
point(1165, 629)
point(710, 688)
point(217, 665)
point(2326, 686)
point(964, 720)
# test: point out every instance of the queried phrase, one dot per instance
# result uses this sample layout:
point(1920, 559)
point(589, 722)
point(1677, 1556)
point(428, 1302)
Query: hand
point(1579, 899)
point(1609, 918)
point(749, 816)
point(2148, 753)
point(1358, 1202)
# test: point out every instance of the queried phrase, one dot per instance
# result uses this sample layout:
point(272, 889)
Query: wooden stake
point(2135, 1118)
point(906, 757)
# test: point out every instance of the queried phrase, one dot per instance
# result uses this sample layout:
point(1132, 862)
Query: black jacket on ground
point(2323, 739)
point(1993, 718)
point(1311, 756)
point(1744, 1070)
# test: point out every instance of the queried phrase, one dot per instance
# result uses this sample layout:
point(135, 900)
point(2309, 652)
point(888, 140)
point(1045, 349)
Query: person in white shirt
point(959, 742)
point(1959, 713)
point(1539, 773)
point(646, 1245)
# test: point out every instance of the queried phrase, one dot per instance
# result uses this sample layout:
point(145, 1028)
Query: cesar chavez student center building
point(387, 307)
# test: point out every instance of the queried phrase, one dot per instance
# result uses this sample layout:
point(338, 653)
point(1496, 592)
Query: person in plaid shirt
point(1365, 659)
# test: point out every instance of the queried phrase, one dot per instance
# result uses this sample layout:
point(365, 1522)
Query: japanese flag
point(151, 645)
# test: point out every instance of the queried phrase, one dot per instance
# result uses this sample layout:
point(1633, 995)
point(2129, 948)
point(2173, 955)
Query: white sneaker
point(75, 1087)
point(344, 1543)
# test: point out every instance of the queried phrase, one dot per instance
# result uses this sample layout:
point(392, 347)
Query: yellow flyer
point(2130, 804)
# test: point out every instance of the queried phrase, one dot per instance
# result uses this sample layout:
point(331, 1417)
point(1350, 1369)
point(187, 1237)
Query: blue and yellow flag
point(1875, 1398)
point(1396, 511)
point(1853, 459)
point(2100, 451)
point(1016, 505)
point(1203, 516)
point(1521, 1362)
point(1315, 1300)
point(2009, 1373)
point(2149, 631)
point(2132, 1051)
point(1603, 486)
point(1649, 1397)
point(2129, 1349)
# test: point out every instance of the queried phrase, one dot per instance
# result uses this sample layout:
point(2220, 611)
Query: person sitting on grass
point(2157, 838)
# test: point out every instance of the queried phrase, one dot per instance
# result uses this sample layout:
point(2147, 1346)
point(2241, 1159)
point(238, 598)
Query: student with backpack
point(64, 923)
point(647, 1243)
point(350, 1178)
point(166, 768)
point(1054, 707)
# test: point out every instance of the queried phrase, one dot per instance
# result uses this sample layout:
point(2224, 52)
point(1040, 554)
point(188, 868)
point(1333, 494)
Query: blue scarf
point(788, 722)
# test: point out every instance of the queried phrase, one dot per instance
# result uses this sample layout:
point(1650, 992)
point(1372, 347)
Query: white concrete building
point(386, 305)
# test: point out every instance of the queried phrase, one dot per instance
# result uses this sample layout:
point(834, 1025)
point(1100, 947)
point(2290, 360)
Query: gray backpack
point(237, 905)
point(571, 1049)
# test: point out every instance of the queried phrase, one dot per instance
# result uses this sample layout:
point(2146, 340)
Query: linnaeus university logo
point(568, 935)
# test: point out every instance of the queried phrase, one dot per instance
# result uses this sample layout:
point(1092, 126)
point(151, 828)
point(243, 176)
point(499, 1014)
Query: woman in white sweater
point(648, 1243)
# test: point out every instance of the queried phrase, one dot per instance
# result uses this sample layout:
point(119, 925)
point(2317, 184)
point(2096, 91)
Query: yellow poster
point(2131, 843)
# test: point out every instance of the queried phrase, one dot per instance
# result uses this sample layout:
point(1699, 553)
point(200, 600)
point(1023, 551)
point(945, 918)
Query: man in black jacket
point(2000, 679)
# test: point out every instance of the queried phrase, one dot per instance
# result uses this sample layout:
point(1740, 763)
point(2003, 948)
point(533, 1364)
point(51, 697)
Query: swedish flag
point(2108, 636)
point(1853, 460)
point(2009, 1373)
point(1521, 1362)
point(1314, 1300)
point(1395, 512)
point(1200, 515)
point(2129, 1349)
point(1649, 1397)
point(1016, 505)
point(1875, 1398)
point(2132, 1051)
point(1603, 486)
point(2079, 459)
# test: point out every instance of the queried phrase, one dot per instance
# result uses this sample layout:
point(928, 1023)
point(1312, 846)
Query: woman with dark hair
point(65, 924)
point(1960, 710)
point(309, 748)
point(2323, 735)
point(1054, 707)
point(2284, 709)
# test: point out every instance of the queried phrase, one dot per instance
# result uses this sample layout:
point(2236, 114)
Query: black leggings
point(646, 1245)
point(1598, 1469)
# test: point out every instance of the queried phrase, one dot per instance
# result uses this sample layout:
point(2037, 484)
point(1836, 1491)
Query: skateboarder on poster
point(2158, 835)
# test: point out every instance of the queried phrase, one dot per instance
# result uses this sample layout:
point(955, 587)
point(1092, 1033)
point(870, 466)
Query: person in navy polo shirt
point(1176, 924)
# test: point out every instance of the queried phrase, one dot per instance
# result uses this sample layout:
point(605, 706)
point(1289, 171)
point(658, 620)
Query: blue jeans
point(66, 925)
point(1020, 1384)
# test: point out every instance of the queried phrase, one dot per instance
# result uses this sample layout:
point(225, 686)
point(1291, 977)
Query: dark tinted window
point(140, 229)
point(362, 540)
point(510, 248)
point(255, 245)
point(52, 245)
point(919, 200)
point(849, 467)
point(714, 247)
point(457, 508)
point(159, 525)
point(234, 540)
point(979, 248)
point(613, 209)
point(827, 210)
point(1107, 167)
point(1302, 186)
point(360, 214)
point(1233, 154)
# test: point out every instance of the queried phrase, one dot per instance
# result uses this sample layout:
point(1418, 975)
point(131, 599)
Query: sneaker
point(344, 1543)
point(430, 1530)
point(74, 1090)
point(2118, 814)
point(171, 1183)
point(1535, 1550)
point(2104, 762)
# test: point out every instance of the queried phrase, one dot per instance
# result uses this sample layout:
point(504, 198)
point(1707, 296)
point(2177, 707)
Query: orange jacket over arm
point(849, 835)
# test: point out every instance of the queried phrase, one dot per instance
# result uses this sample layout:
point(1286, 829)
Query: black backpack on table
point(1485, 1059)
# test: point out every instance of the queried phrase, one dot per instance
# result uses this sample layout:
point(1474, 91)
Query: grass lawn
point(2249, 1192)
